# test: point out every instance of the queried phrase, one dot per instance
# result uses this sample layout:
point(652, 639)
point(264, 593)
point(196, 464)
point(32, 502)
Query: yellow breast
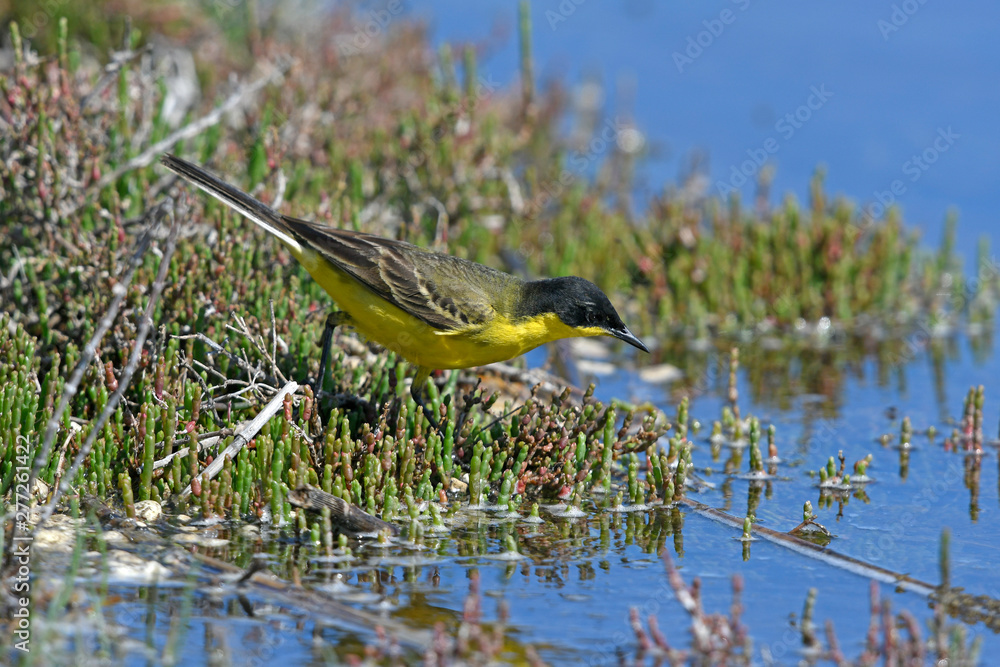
point(421, 344)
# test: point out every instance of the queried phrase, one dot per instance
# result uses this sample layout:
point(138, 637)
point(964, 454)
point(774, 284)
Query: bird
point(435, 310)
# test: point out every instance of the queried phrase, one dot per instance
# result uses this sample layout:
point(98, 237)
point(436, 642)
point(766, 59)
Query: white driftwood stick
point(246, 434)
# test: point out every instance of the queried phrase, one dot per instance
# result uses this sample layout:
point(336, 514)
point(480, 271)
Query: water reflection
point(787, 374)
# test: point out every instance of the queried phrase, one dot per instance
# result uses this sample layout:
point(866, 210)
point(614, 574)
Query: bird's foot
point(425, 408)
point(333, 320)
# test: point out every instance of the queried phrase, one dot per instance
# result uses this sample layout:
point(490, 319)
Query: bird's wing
point(445, 292)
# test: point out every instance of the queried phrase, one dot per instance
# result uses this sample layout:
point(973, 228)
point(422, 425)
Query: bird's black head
point(579, 304)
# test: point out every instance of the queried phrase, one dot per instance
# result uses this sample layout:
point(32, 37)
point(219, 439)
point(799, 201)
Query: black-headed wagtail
point(435, 310)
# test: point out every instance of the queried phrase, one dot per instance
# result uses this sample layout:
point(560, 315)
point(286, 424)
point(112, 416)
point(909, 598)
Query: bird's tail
point(257, 211)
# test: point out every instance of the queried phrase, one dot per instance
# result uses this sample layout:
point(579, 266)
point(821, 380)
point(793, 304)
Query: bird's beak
point(629, 337)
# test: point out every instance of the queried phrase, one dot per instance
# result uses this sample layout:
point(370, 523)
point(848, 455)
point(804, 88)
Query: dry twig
point(244, 436)
point(145, 323)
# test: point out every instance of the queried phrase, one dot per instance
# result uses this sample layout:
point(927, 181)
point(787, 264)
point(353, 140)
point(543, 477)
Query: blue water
point(884, 104)
point(898, 102)
point(907, 101)
point(898, 527)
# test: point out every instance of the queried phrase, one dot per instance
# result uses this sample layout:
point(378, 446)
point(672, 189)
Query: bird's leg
point(416, 391)
point(333, 320)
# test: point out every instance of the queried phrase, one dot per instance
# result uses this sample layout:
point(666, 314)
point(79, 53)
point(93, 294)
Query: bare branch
point(190, 130)
point(246, 434)
point(90, 349)
point(145, 324)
